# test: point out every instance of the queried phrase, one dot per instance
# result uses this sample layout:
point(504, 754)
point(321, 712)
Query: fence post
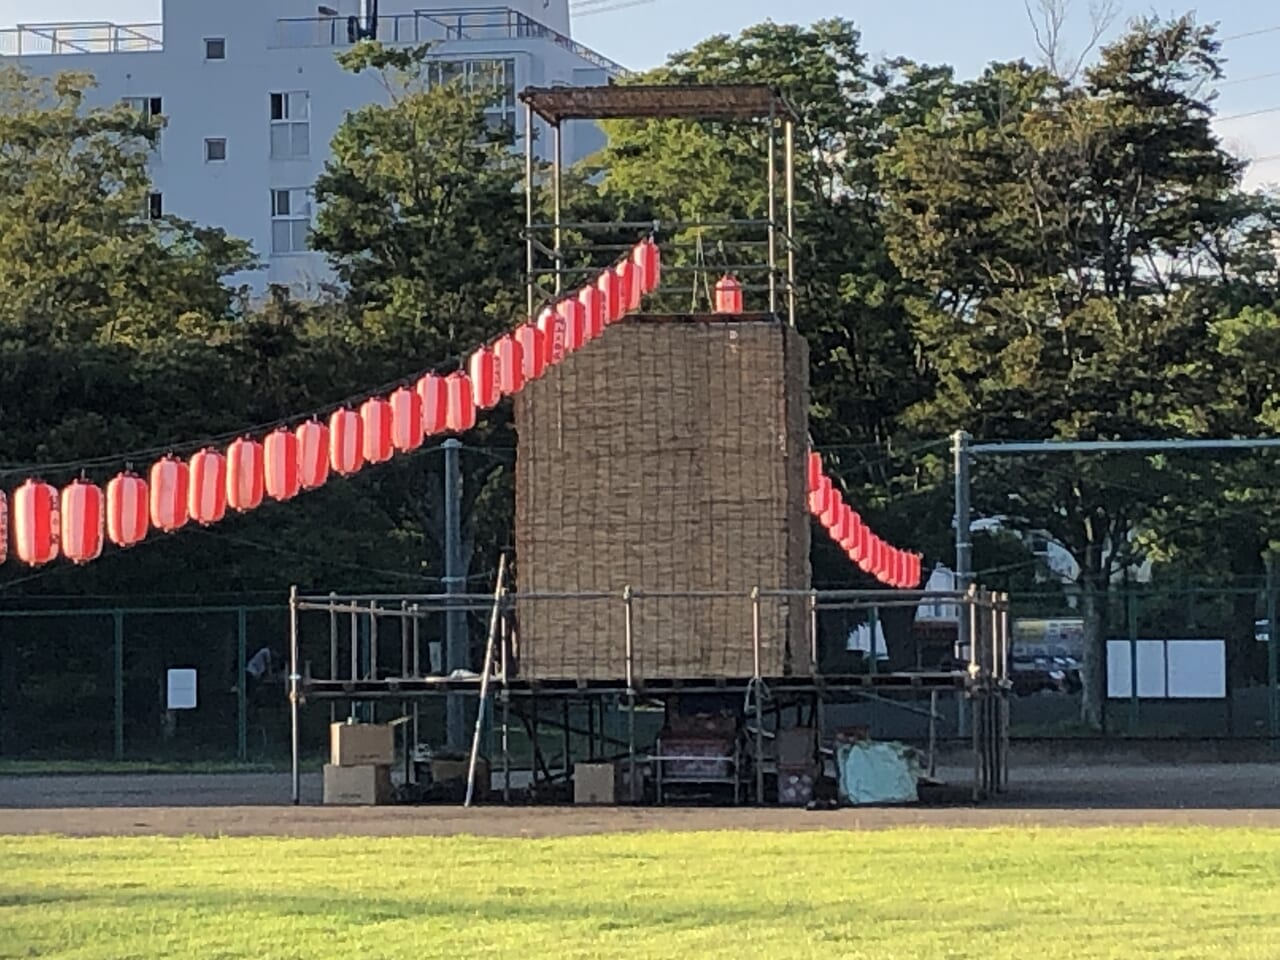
point(1131, 605)
point(1273, 640)
point(117, 618)
point(242, 705)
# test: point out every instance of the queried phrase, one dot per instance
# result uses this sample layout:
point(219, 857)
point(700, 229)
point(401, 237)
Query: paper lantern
point(375, 421)
point(82, 521)
point(435, 403)
point(858, 539)
point(611, 305)
point(406, 419)
point(629, 292)
point(552, 326)
point(648, 262)
point(127, 518)
point(169, 482)
point(35, 523)
point(831, 512)
point(281, 475)
point(728, 295)
point(820, 497)
point(509, 357)
point(815, 471)
point(4, 527)
point(483, 372)
point(592, 312)
point(207, 494)
point(346, 442)
point(461, 414)
point(573, 318)
point(313, 454)
point(246, 484)
point(533, 351)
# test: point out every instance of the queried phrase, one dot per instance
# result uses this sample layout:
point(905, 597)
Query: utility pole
point(455, 645)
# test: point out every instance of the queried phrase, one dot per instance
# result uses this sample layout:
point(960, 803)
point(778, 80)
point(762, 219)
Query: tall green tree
point(1060, 230)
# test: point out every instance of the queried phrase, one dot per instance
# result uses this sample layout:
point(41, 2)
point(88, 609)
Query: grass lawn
point(899, 894)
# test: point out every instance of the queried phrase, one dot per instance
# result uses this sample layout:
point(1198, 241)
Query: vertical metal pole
point(373, 640)
point(790, 161)
point(506, 717)
point(455, 620)
point(294, 680)
point(417, 672)
point(117, 723)
point(758, 683)
point(630, 653)
point(773, 215)
point(555, 176)
point(964, 556)
point(242, 703)
point(355, 657)
point(474, 758)
point(528, 208)
point(933, 732)
point(333, 652)
point(1273, 644)
point(873, 622)
point(1131, 610)
point(813, 633)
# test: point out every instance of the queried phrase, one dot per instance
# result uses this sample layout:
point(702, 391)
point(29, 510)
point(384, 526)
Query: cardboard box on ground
point(362, 785)
point(360, 744)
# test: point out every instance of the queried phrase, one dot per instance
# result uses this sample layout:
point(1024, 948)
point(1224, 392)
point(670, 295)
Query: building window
point(150, 108)
point(496, 77)
point(155, 206)
point(215, 48)
point(290, 126)
point(290, 220)
point(215, 149)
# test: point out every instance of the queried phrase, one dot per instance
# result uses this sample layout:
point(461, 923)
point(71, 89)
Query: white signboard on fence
point(1168, 669)
point(182, 689)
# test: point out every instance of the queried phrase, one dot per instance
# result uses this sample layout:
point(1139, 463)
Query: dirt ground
point(1244, 794)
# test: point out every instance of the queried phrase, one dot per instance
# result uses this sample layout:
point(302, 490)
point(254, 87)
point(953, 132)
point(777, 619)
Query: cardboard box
point(364, 785)
point(445, 771)
point(361, 744)
point(596, 783)
point(795, 747)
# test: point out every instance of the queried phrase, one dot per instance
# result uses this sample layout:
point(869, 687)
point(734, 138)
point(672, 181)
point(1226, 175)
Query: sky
point(965, 33)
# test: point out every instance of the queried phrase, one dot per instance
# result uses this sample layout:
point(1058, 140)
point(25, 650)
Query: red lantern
point(127, 519)
point(648, 261)
point(835, 504)
point(35, 523)
point(435, 403)
point(819, 498)
point(313, 454)
point(552, 327)
point(509, 357)
point(592, 312)
point(207, 495)
point(611, 306)
point(728, 295)
point(573, 316)
point(170, 479)
point(245, 480)
point(4, 527)
point(82, 521)
point(461, 415)
point(282, 478)
point(815, 471)
point(858, 539)
point(406, 419)
point(375, 420)
point(533, 351)
point(483, 372)
point(629, 292)
point(346, 442)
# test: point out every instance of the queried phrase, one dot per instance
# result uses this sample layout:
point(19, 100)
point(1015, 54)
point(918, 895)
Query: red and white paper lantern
point(246, 479)
point(83, 521)
point(346, 442)
point(406, 419)
point(168, 487)
point(127, 514)
point(207, 494)
point(375, 419)
point(313, 454)
point(35, 523)
point(281, 475)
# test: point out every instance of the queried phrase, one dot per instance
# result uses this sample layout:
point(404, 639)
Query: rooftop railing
point(423, 26)
point(45, 39)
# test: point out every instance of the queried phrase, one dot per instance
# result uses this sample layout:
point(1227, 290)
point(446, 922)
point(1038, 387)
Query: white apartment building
point(252, 95)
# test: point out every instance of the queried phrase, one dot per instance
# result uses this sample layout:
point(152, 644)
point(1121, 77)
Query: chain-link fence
point(94, 684)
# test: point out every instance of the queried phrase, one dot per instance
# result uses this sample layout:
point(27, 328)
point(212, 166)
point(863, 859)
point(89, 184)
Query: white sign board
point(182, 689)
point(1168, 669)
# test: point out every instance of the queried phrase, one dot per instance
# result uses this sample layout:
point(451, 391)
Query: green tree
point(1060, 231)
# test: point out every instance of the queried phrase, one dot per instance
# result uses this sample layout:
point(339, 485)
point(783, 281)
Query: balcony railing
point(43, 39)
point(478, 23)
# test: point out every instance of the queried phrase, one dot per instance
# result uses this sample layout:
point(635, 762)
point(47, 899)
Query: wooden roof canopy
point(688, 101)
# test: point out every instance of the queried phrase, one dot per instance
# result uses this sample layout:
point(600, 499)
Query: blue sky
point(966, 33)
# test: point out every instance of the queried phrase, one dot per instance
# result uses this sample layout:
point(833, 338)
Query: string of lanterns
point(77, 521)
point(888, 564)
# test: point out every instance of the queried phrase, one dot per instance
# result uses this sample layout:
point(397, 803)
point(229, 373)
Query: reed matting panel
point(668, 456)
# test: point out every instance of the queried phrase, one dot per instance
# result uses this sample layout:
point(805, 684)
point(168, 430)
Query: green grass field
point(899, 894)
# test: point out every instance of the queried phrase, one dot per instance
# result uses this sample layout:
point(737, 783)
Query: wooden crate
point(668, 455)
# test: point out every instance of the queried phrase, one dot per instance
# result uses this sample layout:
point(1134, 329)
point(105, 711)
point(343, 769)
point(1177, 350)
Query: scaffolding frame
point(981, 677)
point(742, 103)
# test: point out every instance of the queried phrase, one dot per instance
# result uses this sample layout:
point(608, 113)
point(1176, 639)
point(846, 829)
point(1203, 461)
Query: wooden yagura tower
point(669, 454)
